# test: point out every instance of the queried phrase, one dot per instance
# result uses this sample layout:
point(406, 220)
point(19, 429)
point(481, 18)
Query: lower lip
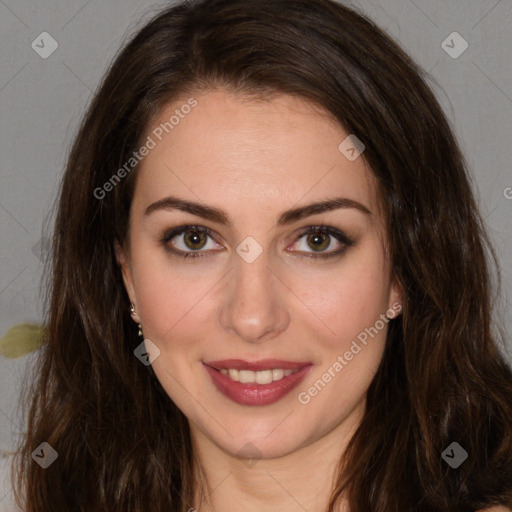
point(256, 394)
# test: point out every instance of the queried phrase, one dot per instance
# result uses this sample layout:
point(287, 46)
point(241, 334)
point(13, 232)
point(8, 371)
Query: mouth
point(256, 383)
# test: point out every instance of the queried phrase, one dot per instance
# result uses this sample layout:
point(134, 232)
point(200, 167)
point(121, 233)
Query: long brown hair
point(122, 444)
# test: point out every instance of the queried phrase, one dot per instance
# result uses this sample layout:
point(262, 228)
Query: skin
point(254, 160)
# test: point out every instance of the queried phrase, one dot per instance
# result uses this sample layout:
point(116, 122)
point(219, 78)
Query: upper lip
point(263, 364)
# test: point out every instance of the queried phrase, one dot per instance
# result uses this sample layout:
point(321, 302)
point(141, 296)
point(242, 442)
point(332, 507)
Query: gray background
point(41, 101)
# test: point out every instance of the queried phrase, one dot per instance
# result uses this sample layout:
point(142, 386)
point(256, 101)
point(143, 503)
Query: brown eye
point(189, 241)
point(313, 242)
point(195, 239)
point(318, 241)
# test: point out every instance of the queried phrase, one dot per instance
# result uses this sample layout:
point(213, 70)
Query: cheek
point(353, 347)
point(164, 294)
point(347, 299)
point(336, 301)
point(169, 303)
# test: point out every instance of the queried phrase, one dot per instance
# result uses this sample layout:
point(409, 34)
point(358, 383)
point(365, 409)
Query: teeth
point(277, 374)
point(264, 377)
point(260, 377)
point(246, 376)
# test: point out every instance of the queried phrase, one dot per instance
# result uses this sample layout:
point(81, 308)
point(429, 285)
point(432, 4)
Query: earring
point(132, 312)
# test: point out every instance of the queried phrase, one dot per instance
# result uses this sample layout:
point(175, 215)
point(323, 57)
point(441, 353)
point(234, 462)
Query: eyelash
point(336, 233)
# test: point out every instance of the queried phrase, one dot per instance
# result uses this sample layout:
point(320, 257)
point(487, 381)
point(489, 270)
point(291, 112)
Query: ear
point(123, 261)
point(396, 298)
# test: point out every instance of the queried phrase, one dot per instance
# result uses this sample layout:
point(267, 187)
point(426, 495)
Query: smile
point(260, 377)
point(259, 383)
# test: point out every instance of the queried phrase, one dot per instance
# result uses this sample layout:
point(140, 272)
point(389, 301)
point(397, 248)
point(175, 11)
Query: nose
point(254, 308)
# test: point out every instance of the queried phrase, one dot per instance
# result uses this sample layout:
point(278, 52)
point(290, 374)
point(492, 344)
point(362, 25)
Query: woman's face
point(258, 295)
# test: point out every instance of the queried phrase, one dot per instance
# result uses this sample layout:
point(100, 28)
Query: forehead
point(244, 151)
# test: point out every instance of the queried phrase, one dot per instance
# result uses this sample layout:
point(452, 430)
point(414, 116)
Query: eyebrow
point(221, 217)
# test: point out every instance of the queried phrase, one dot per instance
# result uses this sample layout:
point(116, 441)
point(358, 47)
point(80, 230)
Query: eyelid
point(338, 234)
point(179, 230)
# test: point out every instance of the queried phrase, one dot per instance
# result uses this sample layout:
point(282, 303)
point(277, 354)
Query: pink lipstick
point(256, 383)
